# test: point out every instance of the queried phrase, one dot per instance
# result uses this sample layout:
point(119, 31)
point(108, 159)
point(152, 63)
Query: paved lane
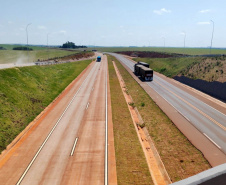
point(209, 121)
point(49, 155)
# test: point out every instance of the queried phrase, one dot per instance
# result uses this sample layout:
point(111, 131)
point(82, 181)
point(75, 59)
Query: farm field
point(41, 53)
point(179, 156)
point(187, 51)
point(26, 91)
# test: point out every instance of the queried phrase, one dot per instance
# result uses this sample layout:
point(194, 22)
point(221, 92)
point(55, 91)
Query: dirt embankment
point(148, 54)
point(71, 57)
point(209, 69)
point(78, 56)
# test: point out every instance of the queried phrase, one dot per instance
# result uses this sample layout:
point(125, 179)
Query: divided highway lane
point(72, 150)
point(209, 121)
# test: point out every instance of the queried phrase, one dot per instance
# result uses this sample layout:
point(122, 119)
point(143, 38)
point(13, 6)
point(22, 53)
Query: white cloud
point(205, 11)
point(161, 11)
point(41, 27)
point(63, 32)
point(203, 23)
point(21, 29)
point(10, 22)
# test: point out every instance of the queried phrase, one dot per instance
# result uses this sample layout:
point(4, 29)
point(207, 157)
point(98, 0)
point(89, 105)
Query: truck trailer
point(146, 73)
point(142, 69)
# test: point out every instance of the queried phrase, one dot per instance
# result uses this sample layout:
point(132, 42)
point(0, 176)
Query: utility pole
point(48, 44)
point(212, 37)
point(27, 42)
point(184, 41)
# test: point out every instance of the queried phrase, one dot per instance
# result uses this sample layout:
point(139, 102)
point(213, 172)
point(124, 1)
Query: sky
point(173, 23)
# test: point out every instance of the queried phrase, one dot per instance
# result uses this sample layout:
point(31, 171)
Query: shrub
point(132, 104)
point(23, 48)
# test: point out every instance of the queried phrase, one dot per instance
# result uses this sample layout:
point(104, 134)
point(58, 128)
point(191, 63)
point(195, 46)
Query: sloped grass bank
point(179, 156)
point(26, 91)
point(131, 164)
point(170, 66)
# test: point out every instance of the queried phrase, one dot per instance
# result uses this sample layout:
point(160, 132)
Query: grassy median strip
point(26, 91)
point(179, 156)
point(130, 160)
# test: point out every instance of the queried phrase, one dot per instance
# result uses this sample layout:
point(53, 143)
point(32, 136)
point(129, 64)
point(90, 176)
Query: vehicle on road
point(98, 59)
point(142, 69)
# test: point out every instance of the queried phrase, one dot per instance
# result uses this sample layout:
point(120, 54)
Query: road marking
point(204, 114)
point(173, 107)
point(87, 106)
point(45, 141)
point(200, 95)
point(207, 116)
point(75, 143)
point(212, 141)
point(106, 129)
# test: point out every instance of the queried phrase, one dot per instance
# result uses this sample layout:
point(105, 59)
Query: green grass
point(131, 164)
point(26, 91)
point(189, 51)
point(179, 156)
point(170, 66)
point(11, 46)
point(42, 53)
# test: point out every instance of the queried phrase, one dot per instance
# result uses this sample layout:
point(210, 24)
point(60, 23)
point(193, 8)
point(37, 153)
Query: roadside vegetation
point(170, 66)
point(179, 156)
point(26, 91)
point(38, 53)
point(131, 164)
point(187, 51)
point(208, 69)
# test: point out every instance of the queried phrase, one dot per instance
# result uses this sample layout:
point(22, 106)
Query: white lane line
point(75, 143)
point(212, 141)
point(172, 106)
point(87, 106)
point(178, 89)
point(41, 147)
point(106, 129)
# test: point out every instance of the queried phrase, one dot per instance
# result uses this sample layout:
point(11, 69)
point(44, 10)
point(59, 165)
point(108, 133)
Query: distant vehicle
point(98, 59)
point(142, 69)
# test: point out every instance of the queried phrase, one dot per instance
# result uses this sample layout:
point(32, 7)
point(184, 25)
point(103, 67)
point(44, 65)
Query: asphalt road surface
point(209, 121)
point(68, 146)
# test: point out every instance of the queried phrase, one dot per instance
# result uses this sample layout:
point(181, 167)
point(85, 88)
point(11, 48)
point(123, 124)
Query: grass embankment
point(25, 92)
point(170, 66)
point(179, 156)
point(187, 51)
point(209, 69)
point(130, 160)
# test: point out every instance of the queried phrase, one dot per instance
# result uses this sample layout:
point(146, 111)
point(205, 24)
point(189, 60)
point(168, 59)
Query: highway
point(69, 144)
point(209, 121)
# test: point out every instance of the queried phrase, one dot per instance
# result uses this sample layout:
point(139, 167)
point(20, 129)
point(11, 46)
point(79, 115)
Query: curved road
point(209, 121)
